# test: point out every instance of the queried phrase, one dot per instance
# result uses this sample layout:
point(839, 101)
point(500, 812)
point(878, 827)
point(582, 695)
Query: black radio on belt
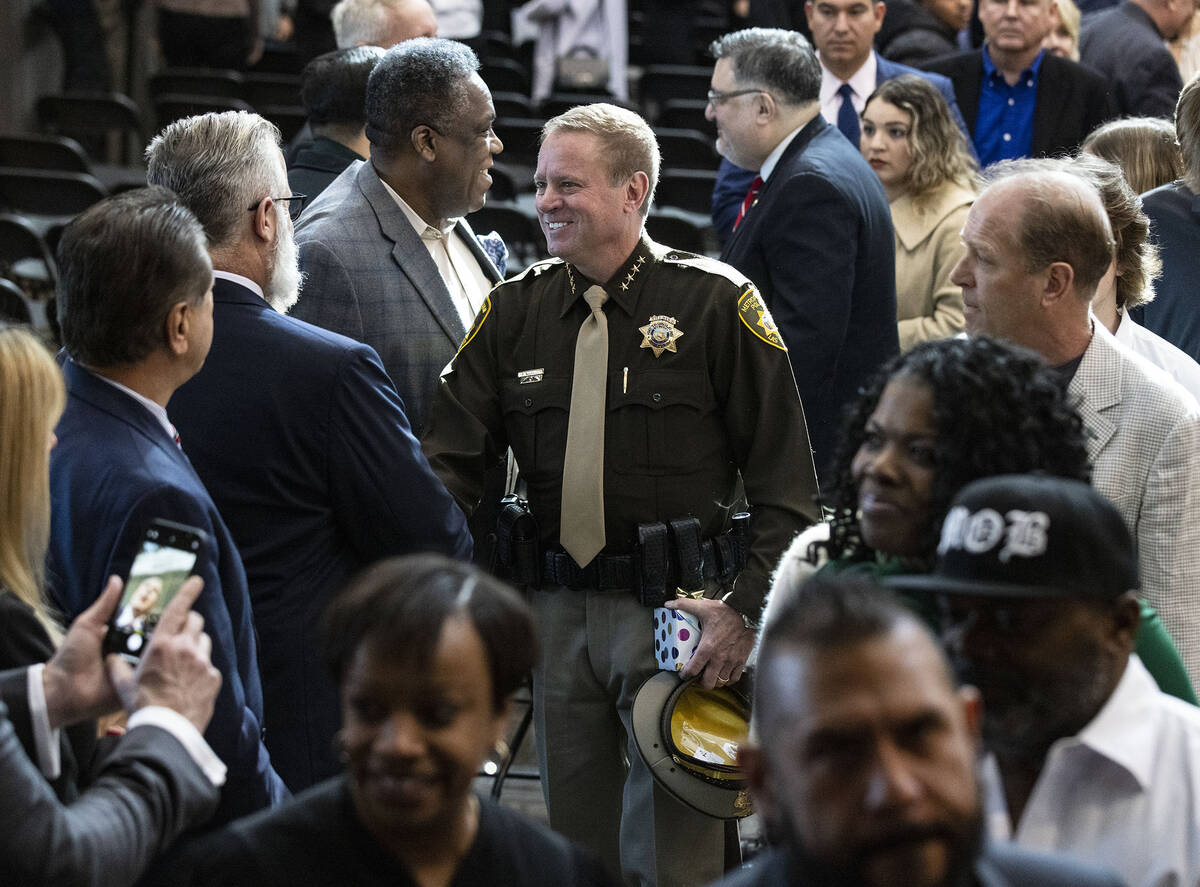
point(517, 542)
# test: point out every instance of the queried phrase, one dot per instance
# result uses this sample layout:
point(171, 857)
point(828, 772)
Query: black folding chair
point(23, 151)
point(505, 75)
point(100, 121)
point(687, 149)
point(688, 189)
point(14, 304)
point(48, 192)
point(24, 253)
point(212, 82)
point(268, 90)
point(174, 106)
point(677, 232)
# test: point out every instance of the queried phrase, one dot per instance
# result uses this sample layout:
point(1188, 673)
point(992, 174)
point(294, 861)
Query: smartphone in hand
point(167, 557)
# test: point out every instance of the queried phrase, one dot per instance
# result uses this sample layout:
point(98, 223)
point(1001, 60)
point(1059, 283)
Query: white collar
point(243, 281)
point(772, 160)
point(158, 411)
point(414, 219)
point(862, 82)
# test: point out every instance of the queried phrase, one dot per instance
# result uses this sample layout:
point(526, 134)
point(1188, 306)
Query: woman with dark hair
point(427, 653)
point(922, 160)
point(933, 420)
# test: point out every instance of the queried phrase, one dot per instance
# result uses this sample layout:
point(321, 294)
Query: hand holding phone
point(167, 557)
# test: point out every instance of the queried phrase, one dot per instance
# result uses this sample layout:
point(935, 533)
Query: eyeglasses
point(716, 97)
point(295, 204)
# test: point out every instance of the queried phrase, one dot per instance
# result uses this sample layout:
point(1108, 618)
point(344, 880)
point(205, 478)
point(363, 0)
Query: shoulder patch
point(484, 311)
point(754, 314)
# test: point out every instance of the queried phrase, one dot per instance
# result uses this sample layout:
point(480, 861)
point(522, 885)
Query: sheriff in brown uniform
point(699, 389)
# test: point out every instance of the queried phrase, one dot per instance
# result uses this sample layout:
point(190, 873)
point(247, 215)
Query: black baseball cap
point(1029, 536)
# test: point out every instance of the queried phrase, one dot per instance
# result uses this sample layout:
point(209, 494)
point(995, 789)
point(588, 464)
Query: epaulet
point(536, 269)
point(709, 266)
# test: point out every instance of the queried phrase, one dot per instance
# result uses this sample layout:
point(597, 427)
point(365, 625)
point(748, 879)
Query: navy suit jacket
point(819, 246)
point(302, 440)
point(1071, 100)
point(733, 182)
point(114, 470)
point(1123, 44)
point(1174, 313)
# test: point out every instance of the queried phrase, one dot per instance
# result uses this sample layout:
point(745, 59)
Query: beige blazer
point(1143, 433)
point(928, 306)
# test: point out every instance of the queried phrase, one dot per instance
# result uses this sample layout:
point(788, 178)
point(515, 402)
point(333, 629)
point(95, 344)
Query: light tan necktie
point(582, 523)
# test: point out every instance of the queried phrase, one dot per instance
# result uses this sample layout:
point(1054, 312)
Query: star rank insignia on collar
point(660, 334)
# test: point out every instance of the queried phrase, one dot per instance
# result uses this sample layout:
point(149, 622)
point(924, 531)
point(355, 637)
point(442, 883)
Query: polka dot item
point(676, 637)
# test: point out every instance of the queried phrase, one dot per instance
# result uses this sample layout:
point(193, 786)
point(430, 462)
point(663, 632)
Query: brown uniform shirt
point(699, 388)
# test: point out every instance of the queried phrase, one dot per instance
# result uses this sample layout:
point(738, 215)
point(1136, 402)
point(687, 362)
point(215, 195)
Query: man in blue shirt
point(1019, 101)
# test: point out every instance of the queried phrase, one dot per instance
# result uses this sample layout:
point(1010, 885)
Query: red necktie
point(751, 195)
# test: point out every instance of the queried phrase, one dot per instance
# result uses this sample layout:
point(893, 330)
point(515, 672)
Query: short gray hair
point(1062, 219)
point(362, 22)
point(782, 62)
point(1187, 131)
point(629, 142)
point(419, 81)
point(219, 165)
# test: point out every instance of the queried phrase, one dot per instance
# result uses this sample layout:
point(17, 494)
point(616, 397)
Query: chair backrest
point(174, 106)
point(289, 118)
point(20, 242)
point(91, 116)
point(26, 151)
point(213, 82)
point(520, 138)
point(14, 304)
point(686, 114)
point(676, 232)
point(505, 75)
point(689, 189)
point(261, 90)
point(48, 193)
point(661, 83)
point(513, 104)
point(687, 149)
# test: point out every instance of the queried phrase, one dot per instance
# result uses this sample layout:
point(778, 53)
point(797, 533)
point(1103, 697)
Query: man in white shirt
point(1038, 580)
point(388, 257)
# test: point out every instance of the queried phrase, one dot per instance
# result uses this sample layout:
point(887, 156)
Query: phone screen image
point(165, 560)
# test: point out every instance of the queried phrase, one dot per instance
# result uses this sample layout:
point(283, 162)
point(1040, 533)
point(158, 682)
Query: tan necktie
point(582, 524)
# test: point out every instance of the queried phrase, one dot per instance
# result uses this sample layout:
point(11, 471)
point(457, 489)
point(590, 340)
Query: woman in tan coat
point(922, 160)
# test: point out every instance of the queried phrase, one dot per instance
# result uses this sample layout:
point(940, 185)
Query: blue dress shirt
point(1004, 128)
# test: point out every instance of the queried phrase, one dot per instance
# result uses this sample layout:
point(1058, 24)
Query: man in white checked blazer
point(1038, 241)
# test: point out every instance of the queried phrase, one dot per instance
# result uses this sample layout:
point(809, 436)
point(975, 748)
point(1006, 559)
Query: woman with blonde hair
point(921, 157)
point(1063, 39)
point(32, 397)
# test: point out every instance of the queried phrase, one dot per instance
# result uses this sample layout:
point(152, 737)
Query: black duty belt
point(668, 556)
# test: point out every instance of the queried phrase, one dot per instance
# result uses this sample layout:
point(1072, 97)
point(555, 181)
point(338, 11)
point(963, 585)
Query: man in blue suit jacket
point(817, 240)
point(298, 433)
point(843, 33)
point(135, 306)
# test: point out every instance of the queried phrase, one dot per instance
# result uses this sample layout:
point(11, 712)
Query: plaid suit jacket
point(369, 277)
point(1144, 441)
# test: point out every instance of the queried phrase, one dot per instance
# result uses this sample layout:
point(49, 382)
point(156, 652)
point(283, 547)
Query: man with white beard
point(297, 432)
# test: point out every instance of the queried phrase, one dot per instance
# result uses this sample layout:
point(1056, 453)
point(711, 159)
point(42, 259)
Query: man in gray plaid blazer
point(387, 258)
point(1038, 241)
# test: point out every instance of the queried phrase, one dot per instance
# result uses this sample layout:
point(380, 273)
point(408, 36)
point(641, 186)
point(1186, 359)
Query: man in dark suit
point(817, 238)
point(1127, 44)
point(843, 32)
point(1174, 212)
point(297, 432)
point(1018, 100)
point(388, 258)
point(863, 761)
point(160, 777)
point(135, 306)
point(334, 91)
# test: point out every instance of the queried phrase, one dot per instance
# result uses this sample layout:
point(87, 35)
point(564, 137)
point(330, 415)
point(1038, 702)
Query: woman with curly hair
point(933, 420)
point(922, 160)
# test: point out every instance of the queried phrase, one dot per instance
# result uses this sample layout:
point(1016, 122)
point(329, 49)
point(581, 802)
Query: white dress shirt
point(863, 84)
point(1161, 353)
point(1123, 793)
point(464, 279)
